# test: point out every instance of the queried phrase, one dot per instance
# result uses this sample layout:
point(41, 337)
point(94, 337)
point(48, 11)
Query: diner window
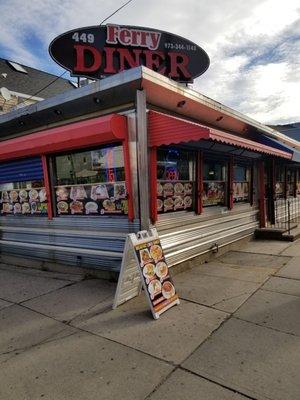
point(214, 183)
point(23, 198)
point(175, 180)
point(91, 182)
point(291, 182)
point(241, 183)
point(279, 181)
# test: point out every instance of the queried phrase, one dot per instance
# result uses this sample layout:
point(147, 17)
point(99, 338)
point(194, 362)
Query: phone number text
point(179, 46)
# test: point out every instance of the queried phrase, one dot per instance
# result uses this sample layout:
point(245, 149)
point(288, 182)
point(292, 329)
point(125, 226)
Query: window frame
point(155, 182)
point(224, 161)
point(127, 181)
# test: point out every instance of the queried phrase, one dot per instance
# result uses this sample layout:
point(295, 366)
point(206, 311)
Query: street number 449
point(83, 37)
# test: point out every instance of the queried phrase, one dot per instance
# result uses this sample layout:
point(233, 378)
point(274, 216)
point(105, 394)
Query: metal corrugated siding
point(84, 223)
point(103, 263)
point(85, 242)
point(99, 242)
point(26, 169)
point(185, 236)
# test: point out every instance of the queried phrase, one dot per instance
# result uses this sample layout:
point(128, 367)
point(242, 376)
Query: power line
point(115, 12)
point(43, 88)
point(61, 75)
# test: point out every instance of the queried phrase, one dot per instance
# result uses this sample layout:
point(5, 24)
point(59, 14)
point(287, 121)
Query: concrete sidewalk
point(235, 335)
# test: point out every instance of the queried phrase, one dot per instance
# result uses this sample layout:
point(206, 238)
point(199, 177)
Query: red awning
point(165, 130)
point(81, 134)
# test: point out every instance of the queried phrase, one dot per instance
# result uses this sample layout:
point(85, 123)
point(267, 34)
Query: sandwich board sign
point(144, 265)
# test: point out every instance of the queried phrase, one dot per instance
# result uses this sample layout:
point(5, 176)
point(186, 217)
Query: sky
point(253, 45)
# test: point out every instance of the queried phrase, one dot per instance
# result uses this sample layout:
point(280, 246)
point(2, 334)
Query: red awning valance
point(165, 130)
point(228, 138)
point(81, 134)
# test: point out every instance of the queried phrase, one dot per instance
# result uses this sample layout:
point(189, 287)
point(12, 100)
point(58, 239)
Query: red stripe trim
point(252, 186)
point(199, 177)
point(47, 186)
point(81, 134)
point(153, 184)
point(230, 181)
point(262, 205)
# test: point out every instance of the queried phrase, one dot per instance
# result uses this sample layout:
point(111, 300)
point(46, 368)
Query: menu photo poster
point(214, 193)
point(154, 271)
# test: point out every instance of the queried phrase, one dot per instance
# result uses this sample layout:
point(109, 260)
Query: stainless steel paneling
point(184, 235)
point(86, 241)
point(61, 257)
point(99, 242)
point(104, 223)
point(132, 141)
point(142, 154)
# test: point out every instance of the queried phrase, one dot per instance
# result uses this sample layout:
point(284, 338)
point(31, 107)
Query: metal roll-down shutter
point(25, 169)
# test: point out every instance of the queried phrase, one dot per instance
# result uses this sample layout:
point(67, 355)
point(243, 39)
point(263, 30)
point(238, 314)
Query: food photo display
point(24, 201)
point(240, 191)
point(174, 196)
point(159, 284)
point(213, 193)
point(98, 199)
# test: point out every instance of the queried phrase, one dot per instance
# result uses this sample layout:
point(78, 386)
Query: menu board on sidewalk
point(153, 271)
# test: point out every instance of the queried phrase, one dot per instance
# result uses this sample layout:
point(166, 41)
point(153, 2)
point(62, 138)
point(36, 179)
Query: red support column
point(295, 182)
point(272, 196)
point(199, 181)
point(262, 205)
point(153, 184)
point(285, 183)
point(47, 186)
point(251, 185)
point(128, 179)
point(230, 179)
point(273, 177)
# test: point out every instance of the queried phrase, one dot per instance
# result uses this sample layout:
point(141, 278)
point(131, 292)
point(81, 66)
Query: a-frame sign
point(144, 265)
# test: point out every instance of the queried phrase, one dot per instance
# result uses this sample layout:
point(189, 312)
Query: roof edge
point(194, 95)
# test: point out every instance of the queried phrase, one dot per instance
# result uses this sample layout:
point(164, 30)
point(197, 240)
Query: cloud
point(254, 46)
point(259, 74)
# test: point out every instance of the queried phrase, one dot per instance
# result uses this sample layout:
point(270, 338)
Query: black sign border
point(130, 27)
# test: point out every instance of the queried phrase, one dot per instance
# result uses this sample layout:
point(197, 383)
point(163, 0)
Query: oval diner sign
point(99, 51)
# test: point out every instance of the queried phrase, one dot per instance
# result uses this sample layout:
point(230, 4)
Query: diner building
point(81, 170)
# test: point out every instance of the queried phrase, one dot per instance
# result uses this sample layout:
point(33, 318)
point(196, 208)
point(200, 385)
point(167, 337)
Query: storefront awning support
point(143, 164)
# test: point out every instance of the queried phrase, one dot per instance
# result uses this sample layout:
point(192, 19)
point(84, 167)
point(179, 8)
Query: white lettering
point(132, 37)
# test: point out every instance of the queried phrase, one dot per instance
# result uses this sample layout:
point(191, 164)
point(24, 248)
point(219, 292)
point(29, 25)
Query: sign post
point(150, 271)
